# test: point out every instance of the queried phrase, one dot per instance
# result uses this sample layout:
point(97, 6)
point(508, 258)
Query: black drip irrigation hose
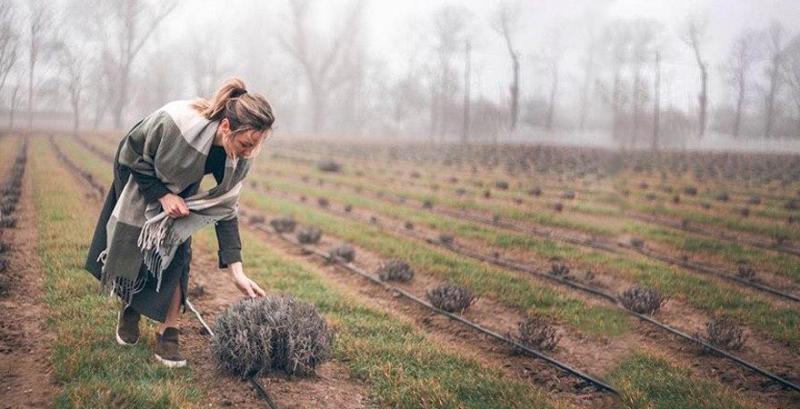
point(592, 243)
point(721, 235)
point(600, 245)
point(597, 292)
point(610, 297)
point(605, 295)
point(353, 268)
point(96, 187)
point(260, 390)
point(709, 270)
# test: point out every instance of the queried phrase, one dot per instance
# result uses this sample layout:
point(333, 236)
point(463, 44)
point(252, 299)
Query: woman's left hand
point(247, 286)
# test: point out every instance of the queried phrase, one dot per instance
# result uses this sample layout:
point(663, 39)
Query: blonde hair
point(245, 111)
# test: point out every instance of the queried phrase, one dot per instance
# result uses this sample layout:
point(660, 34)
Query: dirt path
point(25, 373)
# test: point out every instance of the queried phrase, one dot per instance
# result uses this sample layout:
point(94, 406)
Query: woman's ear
point(225, 125)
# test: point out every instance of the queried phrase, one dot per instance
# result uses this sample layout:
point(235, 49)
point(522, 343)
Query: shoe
point(128, 326)
point(167, 350)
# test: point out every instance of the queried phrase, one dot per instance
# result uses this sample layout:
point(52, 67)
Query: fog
point(621, 73)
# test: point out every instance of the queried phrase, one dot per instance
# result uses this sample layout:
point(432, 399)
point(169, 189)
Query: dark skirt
point(149, 302)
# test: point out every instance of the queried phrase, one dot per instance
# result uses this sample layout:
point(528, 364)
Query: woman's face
point(242, 144)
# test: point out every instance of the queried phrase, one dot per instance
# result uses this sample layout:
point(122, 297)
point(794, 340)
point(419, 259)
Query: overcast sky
point(396, 28)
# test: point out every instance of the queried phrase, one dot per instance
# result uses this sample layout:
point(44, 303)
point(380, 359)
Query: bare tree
point(743, 55)
point(467, 61)
point(775, 35)
point(643, 33)
point(693, 37)
point(205, 63)
point(617, 38)
point(553, 55)
point(790, 73)
point(506, 24)
point(39, 27)
point(588, 74)
point(450, 23)
point(324, 65)
point(128, 25)
point(656, 101)
point(13, 102)
point(9, 41)
point(73, 66)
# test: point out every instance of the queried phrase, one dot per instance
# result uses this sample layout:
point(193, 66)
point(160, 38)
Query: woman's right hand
point(174, 205)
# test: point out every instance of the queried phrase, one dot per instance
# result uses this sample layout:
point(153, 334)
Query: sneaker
point(167, 350)
point(128, 326)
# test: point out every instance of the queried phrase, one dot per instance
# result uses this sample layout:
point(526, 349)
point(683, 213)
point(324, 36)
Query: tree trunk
point(465, 129)
point(703, 99)
point(657, 103)
point(552, 103)
point(514, 90)
point(739, 105)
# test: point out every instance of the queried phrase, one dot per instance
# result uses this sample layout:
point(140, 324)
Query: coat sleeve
point(150, 186)
point(230, 244)
point(139, 150)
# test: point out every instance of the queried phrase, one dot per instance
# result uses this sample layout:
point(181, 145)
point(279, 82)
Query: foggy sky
point(397, 28)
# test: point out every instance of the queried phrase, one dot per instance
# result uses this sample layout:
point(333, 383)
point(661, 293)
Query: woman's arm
point(230, 256)
point(154, 189)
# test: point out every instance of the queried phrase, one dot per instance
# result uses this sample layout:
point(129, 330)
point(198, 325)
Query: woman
point(141, 248)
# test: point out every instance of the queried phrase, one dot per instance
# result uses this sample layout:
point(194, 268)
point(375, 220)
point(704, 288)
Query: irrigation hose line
point(614, 300)
point(350, 266)
point(708, 270)
point(781, 248)
point(612, 249)
point(595, 244)
point(262, 393)
point(582, 287)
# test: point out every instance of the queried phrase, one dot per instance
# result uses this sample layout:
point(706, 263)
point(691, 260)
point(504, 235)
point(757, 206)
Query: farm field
point(570, 240)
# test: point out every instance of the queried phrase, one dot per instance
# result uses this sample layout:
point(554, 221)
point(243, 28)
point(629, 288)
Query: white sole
point(170, 364)
point(116, 332)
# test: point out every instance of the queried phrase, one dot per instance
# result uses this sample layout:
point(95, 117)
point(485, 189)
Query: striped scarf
point(172, 144)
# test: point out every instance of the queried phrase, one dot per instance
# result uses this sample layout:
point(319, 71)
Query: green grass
point(483, 279)
point(91, 368)
point(652, 383)
point(404, 368)
point(697, 290)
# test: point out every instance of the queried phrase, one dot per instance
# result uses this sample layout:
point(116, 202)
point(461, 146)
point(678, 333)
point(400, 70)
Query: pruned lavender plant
point(450, 297)
point(637, 242)
point(256, 219)
point(724, 333)
point(329, 165)
point(283, 224)
point(309, 235)
point(536, 333)
point(559, 270)
point(746, 272)
point(273, 333)
point(642, 300)
point(342, 253)
point(395, 270)
point(446, 239)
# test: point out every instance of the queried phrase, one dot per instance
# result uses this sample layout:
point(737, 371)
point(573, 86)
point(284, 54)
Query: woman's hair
point(245, 111)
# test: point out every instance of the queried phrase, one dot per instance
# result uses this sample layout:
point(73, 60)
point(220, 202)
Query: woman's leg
point(173, 313)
